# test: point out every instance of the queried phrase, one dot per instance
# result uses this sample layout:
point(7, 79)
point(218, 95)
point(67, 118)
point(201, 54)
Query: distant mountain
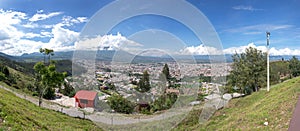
point(123, 56)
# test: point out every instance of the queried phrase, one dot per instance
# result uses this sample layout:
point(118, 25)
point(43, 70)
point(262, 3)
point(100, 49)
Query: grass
point(249, 113)
point(19, 114)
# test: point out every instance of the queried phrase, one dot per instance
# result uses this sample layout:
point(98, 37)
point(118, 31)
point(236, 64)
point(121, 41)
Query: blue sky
point(28, 25)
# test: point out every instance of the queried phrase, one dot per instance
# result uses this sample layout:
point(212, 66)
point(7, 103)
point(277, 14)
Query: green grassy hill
point(19, 114)
point(249, 113)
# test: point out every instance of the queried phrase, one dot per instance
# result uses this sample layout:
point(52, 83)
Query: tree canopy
point(248, 70)
point(294, 66)
point(47, 78)
point(144, 83)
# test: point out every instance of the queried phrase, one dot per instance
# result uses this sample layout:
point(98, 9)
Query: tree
point(120, 104)
point(47, 78)
point(4, 72)
point(144, 83)
point(294, 66)
point(166, 72)
point(248, 70)
point(164, 102)
point(68, 90)
point(48, 52)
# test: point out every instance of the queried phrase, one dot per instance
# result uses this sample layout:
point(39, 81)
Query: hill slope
point(251, 112)
point(19, 114)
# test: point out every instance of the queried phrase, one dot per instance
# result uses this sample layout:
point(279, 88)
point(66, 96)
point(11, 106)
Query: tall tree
point(248, 70)
point(294, 66)
point(166, 71)
point(144, 83)
point(47, 52)
point(47, 78)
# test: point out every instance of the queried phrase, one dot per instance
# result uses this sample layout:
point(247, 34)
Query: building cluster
point(123, 78)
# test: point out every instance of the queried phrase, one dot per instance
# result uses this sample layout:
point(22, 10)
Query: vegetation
point(279, 71)
point(166, 72)
point(248, 71)
point(68, 90)
point(47, 78)
point(164, 102)
point(250, 112)
point(120, 104)
point(19, 114)
point(4, 73)
point(294, 66)
point(144, 83)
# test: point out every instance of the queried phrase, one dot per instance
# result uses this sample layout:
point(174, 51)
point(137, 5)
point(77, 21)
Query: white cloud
point(46, 34)
point(110, 42)
point(62, 37)
point(82, 19)
point(39, 16)
point(242, 49)
point(15, 41)
point(69, 21)
point(200, 50)
point(8, 20)
point(31, 35)
point(247, 8)
point(9, 17)
point(273, 51)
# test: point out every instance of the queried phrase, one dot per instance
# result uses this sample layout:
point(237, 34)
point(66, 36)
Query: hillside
point(19, 114)
point(250, 113)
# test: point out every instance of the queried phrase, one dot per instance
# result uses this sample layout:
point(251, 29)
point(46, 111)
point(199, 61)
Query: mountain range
point(111, 55)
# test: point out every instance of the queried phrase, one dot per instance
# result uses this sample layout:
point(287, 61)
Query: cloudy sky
point(27, 25)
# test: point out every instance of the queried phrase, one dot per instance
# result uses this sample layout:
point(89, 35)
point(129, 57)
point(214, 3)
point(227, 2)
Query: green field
point(19, 114)
point(250, 112)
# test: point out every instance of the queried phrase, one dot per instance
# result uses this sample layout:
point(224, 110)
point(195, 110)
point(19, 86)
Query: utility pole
point(268, 62)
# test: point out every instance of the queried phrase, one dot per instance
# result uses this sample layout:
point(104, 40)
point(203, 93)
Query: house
point(84, 98)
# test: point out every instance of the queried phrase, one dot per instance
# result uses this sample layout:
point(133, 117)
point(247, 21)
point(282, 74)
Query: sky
point(63, 25)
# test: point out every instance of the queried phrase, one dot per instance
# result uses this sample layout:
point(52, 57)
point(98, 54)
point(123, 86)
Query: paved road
point(295, 122)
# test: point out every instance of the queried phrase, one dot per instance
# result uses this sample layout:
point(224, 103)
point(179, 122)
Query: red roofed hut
point(84, 98)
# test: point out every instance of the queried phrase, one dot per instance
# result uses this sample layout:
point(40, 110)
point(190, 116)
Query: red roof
point(87, 95)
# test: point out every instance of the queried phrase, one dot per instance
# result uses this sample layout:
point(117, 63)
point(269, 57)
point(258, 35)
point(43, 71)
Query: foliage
point(4, 72)
point(250, 113)
point(48, 52)
point(248, 70)
point(203, 78)
point(279, 70)
point(166, 72)
point(120, 104)
point(49, 93)
point(2, 76)
point(111, 86)
point(68, 90)
point(144, 83)
point(164, 102)
point(47, 78)
point(294, 66)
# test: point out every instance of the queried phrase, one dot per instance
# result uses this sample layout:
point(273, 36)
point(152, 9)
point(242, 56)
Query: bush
point(2, 77)
point(49, 93)
point(164, 102)
point(120, 104)
point(35, 94)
